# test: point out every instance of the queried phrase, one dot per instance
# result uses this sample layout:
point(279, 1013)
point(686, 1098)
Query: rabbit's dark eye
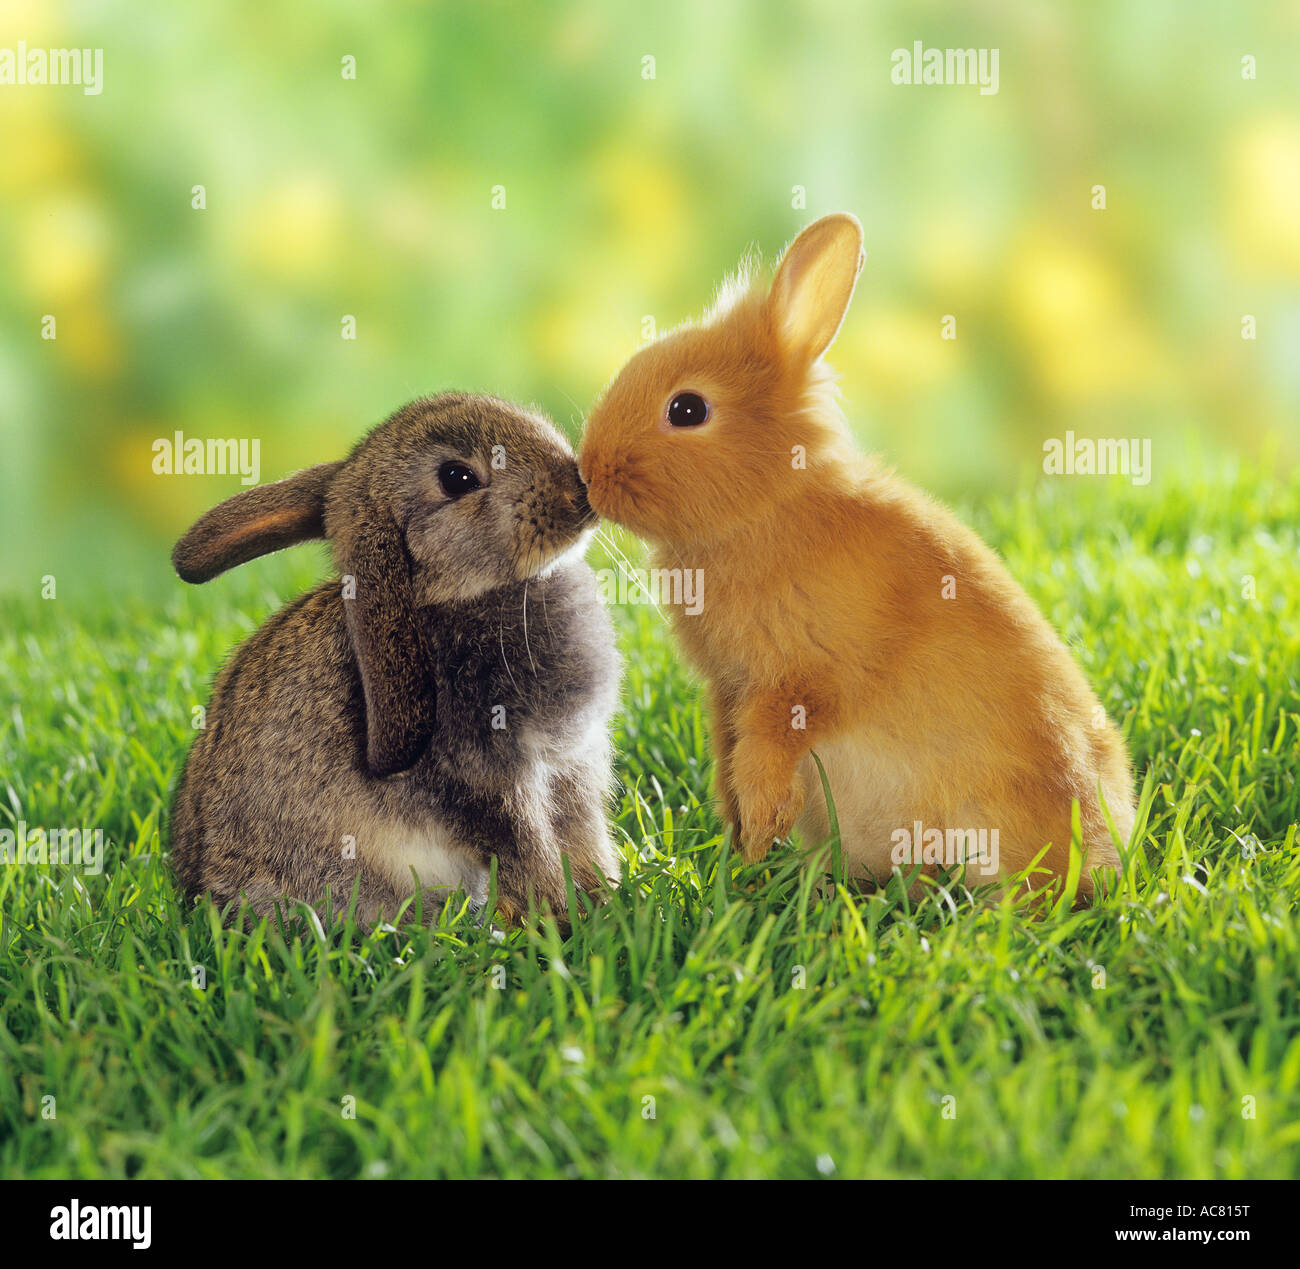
point(456, 480)
point(687, 409)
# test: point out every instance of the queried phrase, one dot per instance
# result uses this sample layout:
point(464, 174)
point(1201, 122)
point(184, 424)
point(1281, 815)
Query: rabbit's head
point(451, 497)
point(719, 422)
point(480, 493)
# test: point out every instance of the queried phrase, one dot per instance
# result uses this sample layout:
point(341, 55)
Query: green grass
point(778, 1031)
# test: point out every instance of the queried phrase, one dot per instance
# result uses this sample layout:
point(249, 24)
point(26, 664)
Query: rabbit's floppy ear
point(391, 649)
point(814, 284)
point(255, 522)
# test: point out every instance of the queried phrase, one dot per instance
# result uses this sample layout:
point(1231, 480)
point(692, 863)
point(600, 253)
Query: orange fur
point(824, 589)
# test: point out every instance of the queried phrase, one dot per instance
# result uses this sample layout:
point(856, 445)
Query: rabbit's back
point(280, 760)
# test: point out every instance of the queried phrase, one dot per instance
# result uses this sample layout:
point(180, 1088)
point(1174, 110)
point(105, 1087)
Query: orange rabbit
point(843, 611)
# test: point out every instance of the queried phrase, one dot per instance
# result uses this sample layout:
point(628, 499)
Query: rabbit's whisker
point(629, 570)
point(527, 648)
point(501, 638)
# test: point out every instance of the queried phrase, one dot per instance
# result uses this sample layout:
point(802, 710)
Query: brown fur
point(444, 702)
point(823, 586)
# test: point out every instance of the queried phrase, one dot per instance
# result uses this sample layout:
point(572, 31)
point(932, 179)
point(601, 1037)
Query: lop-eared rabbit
point(444, 701)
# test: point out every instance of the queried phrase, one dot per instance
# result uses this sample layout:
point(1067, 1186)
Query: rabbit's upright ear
point(391, 649)
point(255, 522)
point(814, 284)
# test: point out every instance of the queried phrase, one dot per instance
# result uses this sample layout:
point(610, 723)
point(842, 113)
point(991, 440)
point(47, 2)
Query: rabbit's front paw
point(766, 819)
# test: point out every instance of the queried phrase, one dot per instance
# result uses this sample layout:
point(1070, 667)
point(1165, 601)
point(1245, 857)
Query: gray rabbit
point(445, 700)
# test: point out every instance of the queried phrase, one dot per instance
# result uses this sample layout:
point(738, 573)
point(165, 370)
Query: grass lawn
point(711, 1020)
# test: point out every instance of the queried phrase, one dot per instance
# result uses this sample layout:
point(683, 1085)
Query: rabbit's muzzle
point(548, 523)
point(582, 508)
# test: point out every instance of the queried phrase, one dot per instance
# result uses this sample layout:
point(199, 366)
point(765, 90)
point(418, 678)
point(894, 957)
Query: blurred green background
point(626, 197)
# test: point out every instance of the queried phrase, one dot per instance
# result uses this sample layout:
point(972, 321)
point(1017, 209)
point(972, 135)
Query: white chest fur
point(439, 862)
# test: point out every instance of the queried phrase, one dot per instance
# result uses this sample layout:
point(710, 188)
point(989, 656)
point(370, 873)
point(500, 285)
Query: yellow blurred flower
point(953, 254)
point(1264, 201)
point(1070, 309)
point(294, 230)
point(64, 251)
point(579, 340)
point(644, 201)
point(37, 152)
point(896, 351)
point(88, 342)
point(35, 21)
